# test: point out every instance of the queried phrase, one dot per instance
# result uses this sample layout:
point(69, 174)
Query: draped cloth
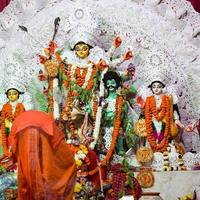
point(46, 166)
point(3, 4)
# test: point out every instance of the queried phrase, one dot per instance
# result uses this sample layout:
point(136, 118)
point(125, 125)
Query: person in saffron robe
point(46, 167)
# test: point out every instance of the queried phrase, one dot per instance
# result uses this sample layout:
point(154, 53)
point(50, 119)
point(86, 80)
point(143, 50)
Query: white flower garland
point(81, 65)
point(96, 127)
point(88, 75)
point(99, 112)
point(56, 111)
point(73, 68)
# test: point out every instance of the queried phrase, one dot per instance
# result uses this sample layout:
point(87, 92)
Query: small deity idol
point(9, 112)
point(115, 123)
point(162, 117)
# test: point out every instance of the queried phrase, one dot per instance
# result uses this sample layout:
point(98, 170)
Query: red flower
point(52, 47)
point(42, 59)
point(128, 55)
point(117, 42)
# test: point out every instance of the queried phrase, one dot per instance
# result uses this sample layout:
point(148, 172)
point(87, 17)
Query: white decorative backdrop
point(163, 34)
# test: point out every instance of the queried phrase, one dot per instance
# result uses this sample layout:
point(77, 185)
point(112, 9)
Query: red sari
point(46, 167)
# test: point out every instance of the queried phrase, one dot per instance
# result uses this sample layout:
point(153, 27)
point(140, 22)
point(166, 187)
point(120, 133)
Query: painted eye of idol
point(82, 50)
point(157, 88)
point(13, 95)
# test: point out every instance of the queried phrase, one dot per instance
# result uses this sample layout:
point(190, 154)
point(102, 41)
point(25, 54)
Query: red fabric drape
point(196, 5)
point(3, 4)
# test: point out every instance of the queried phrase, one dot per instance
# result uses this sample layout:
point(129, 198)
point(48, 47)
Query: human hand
point(102, 65)
point(42, 59)
point(140, 101)
point(189, 128)
point(178, 122)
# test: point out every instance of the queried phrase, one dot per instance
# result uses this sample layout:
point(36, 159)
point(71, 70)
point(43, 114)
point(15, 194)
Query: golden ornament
point(144, 154)
point(145, 179)
point(140, 128)
point(51, 68)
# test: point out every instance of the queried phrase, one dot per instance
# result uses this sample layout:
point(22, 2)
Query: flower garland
point(90, 81)
point(98, 112)
point(94, 108)
point(81, 156)
point(163, 113)
point(80, 77)
point(82, 160)
point(67, 111)
point(61, 67)
point(96, 127)
point(50, 97)
point(7, 113)
point(118, 111)
point(52, 67)
point(84, 79)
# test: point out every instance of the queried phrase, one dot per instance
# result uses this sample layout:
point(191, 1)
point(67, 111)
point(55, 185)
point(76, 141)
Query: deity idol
point(161, 116)
point(114, 120)
point(9, 112)
point(78, 69)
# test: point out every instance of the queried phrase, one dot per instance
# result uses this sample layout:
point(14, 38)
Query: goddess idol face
point(82, 50)
point(157, 88)
point(12, 94)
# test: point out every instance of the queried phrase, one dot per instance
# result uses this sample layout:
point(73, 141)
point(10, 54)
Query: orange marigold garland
point(118, 111)
point(160, 114)
point(94, 108)
point(91, 80)
point(67, 111)
point(80, 77)
point(50, 97)
point(7, 113)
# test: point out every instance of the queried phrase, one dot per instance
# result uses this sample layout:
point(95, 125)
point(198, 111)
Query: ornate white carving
point(189, 160)
point(158, 161)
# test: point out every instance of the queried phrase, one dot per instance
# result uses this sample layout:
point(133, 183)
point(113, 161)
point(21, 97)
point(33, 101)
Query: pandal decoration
point(145, 178)
point(144, 155)
point(160, 114)
point(140, 128)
